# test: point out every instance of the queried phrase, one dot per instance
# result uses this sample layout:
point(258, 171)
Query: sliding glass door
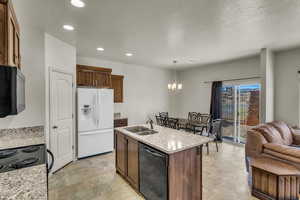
point(240, 110)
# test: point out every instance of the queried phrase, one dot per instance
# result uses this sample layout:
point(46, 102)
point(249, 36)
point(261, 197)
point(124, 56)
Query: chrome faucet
point(150, 121)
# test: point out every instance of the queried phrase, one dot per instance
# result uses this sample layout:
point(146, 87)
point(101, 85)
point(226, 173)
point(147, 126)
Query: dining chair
point(182, 123)
point(159, 120)
point(205, 122)
point(173, 123)
point(216, 126)
point(194, 120)
point(164, 116)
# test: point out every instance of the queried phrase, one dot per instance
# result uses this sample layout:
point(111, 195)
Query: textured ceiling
point(194, 32)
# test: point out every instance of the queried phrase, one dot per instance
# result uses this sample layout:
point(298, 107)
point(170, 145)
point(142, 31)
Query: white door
point(61, 118)
point(106, 106)
point(88, 117)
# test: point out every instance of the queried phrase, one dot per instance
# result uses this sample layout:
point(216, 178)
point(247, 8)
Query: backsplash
point(21, 132)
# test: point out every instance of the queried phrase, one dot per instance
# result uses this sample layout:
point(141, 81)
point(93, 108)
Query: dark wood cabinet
point(97, 77)
point(9, 35)
point(120, 122)
point(121, 156)
point(85, 78)
point(117, 85)
point(127, 159)
point(133, 162)
point(102, 79)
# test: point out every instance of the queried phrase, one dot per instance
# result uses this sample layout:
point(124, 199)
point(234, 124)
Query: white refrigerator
point(94, 121)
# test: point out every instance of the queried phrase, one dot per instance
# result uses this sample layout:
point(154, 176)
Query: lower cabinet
point(133, 162)
point(121, 154)
point(127, 159)
point(176, 176)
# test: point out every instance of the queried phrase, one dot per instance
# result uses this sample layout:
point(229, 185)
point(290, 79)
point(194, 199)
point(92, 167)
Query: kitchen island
point(165, 164)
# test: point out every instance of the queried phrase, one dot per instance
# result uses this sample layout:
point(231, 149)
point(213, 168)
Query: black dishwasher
point(153, 173)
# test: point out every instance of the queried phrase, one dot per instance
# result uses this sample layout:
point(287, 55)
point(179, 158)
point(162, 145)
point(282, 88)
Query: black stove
point(17, 158)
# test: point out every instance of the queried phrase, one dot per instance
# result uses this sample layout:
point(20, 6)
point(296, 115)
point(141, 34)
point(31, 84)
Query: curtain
point(216, 103)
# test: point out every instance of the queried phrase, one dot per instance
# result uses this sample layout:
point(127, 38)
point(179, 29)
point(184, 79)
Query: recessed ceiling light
point(68, 27)
point(78, 3)
point(129, 54)
point(100, 49)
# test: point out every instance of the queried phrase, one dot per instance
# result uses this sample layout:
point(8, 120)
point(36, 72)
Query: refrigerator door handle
point(95, 110)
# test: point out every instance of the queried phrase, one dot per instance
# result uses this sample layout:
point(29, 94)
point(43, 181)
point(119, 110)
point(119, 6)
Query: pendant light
point(175, 86)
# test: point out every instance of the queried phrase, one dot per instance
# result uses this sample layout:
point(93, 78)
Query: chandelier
point(173, 86)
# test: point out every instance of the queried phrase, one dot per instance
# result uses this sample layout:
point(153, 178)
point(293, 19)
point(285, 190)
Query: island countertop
point(167, 140)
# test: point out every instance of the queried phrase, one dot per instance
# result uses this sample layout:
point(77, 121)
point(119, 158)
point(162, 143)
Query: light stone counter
point(12, 138)
point(168, 140)
point(24, 184)
point(27, 183)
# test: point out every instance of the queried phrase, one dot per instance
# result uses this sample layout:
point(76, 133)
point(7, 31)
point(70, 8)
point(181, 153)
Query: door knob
point(54, 127)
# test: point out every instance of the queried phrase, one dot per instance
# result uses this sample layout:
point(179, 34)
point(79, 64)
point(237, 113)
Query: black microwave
point(12, 91)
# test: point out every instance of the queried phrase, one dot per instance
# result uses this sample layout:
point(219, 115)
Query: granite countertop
point(168, 140)
point(12, 138)
point(26, 183)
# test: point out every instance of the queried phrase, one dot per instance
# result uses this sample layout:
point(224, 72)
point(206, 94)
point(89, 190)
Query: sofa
point(276, 140)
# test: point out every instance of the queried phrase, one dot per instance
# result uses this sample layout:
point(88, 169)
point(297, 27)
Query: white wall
point(196, 94)
point(145, 89)
point(287, 63)
point(32, 61)
point(61, 56)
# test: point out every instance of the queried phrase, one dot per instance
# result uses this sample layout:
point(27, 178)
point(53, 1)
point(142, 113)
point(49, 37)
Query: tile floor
point(224, 178)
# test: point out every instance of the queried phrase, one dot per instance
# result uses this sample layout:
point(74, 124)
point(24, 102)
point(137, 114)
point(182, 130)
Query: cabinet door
point(98, 77)
point(85, 78)
point(102, 80)
point(121, 154)
point(11, 41)
point(108, 80)
point(2, 35)
point(117, 85)
point(133, 162)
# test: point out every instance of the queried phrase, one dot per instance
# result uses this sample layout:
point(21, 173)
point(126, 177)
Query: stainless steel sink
point(140, 130)
point(136, 129)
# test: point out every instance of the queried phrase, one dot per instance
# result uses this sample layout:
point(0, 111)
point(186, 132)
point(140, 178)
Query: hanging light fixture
point(174, 86)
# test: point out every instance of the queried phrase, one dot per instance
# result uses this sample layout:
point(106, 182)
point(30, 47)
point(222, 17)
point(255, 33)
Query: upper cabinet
point(9, 35)
point(117, 85)
point(97, 77)
point(102, 79)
